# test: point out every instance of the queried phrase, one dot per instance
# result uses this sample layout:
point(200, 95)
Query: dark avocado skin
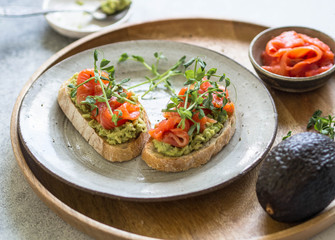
point(297, 178)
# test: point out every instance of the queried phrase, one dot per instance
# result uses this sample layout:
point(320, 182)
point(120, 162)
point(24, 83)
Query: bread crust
point(194, 159)
point(114, 153)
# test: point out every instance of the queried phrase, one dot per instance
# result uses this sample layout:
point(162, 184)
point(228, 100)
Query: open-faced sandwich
point(109, 117)
point(198, 123)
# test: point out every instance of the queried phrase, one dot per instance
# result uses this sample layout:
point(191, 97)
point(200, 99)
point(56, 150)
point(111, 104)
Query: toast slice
point(114, 153)
point(194, 159)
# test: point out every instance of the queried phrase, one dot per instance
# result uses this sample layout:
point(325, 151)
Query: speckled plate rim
point(180, 192)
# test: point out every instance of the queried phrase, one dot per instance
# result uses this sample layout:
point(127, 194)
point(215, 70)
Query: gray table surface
point(26, 43)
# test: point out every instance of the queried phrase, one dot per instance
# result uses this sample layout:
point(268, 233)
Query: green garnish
point(324, 125)
point(157, 78)
point(289, 133)
point(80, 3)
point(314, 118)
point(112, 89)
point(192, 102)
point(114, 6)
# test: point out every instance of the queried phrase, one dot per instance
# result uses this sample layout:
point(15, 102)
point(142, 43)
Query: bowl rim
point(77, 32)
point(286, 78)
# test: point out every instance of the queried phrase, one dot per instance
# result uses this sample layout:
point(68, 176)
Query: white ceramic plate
point(56, 145)
point(79, 24)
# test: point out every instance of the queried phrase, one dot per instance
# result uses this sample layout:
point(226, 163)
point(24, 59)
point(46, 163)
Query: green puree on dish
point(197, 140)
point(113, 6)
point(117, 135)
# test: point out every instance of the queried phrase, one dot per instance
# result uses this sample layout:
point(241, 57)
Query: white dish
point(79, 24)
point(55, 145)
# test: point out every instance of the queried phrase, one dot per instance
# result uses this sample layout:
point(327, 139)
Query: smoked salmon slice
point(170, 130)
point(297, 55)
point(90, 88)
point(176, 137)
point(125, 111)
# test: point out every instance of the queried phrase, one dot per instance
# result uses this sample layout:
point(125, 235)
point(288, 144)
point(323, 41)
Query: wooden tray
point(229, 213)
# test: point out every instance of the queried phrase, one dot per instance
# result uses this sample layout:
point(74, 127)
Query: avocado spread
point(197, 140)
point(117, 135)
point(113, 6)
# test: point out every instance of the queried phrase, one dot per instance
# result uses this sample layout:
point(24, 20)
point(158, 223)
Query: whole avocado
point(297, 178)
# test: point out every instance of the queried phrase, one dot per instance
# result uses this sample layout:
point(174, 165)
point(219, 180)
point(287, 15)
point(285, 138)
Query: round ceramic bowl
point(288, 84)
point(79, 24)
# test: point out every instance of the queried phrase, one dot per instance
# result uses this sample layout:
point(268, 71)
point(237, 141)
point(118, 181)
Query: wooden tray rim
point(85, 223)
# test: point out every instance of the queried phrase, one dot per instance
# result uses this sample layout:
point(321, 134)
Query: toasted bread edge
point(197, 158)
point(114, 153)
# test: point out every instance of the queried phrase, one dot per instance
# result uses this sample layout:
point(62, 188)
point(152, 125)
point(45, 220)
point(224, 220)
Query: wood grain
point(229, 213)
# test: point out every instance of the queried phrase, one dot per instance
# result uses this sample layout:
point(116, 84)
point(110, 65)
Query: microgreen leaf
point(168, 83)
point(90, 101)
point(109, 69)
point(198, 127)
point(210, 72)
point(104, 63)
point(200, 100)
point(159, 56)
point(313, 119)
point(200, 74)
point(123, 57)
point(287, 135)
point(223, 76)
point(100, 98)
point(115, 119)
point(170, 105)
point(175, 100)
point(123, 94)
point(227, 81)
point(108, 93)
point(189, 74)
point(120, 113)
point(224, 101)
point(191, 130)
point(154, 69)
point(123, 81)
point(201, 113)
point(208, 101)
point(190, 81)
point(189, 62)
point(73, 93)
point(177, 65)
point(104, 78)
point(138, 58)
point(202, 64)
point(95, 54)
point(182, 123)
